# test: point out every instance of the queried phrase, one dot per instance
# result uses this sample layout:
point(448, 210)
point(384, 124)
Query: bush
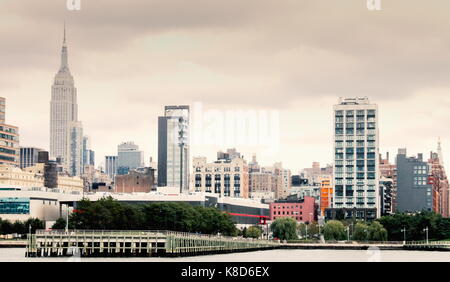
point(253, 232)
point(334, 230)
point(284, 228)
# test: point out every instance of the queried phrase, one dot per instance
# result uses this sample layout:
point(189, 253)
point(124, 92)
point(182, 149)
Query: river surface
point(18, 255)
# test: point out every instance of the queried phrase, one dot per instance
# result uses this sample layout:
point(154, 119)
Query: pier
point(428, 246)
point(106, 243)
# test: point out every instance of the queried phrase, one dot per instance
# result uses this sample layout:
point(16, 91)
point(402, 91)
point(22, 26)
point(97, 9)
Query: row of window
point(350, 113)
point(351, 131)
point(340, 156)
point(351, 143)
point(287, 207)
point(218, 169)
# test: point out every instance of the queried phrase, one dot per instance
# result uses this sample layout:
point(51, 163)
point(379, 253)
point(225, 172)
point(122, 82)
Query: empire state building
point(65, 130)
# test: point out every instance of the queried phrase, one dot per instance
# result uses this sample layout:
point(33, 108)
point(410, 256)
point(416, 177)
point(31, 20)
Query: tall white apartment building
point(173, 148)
point(356, 163)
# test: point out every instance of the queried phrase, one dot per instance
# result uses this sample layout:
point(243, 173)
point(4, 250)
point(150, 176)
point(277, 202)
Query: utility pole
point(181, 143)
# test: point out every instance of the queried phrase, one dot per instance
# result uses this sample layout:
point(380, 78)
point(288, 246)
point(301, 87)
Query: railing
point(347, 242)
point(430, 243)
point(85, 232)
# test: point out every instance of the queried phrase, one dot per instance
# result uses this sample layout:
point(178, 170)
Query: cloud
point(130, 58)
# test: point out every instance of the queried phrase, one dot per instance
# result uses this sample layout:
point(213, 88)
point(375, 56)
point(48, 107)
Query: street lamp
point(404, 235)
point(348, 233)
point(426, 230)
point(67, 219)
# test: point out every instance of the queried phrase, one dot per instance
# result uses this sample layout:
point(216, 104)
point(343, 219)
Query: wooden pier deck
point(103, 243)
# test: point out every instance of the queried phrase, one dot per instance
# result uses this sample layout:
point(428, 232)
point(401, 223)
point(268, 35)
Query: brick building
point(136, 181)
point(303, 210)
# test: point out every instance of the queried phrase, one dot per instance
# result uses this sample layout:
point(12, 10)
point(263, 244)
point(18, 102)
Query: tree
point(360, 232)
point(59, 224)
point(438, 227)
point(6, 227)
point(309, 230)
point(35, 224)
point(108, 213)
point(334, 230)
point(284, 228)
point(19, 227)
point(376, 232)
point(253, 232)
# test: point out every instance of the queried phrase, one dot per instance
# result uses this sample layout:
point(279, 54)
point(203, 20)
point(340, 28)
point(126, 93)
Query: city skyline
point(292, 81)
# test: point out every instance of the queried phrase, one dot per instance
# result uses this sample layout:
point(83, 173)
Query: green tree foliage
point(312, 228)
point(20, 227)
point(334, 230)
point(109, 214)
point(59, 224)
point(253, 232)
point(439, 227)
point(284, 228)
point(360, 232)
point(376, 232)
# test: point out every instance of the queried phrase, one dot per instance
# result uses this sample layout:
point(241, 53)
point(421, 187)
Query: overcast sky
point(293, 57)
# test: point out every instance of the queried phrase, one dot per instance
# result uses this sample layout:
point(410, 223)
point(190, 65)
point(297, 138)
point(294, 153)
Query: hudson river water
point(18, 255)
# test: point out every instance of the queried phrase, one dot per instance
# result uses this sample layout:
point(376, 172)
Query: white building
point(63, 110)
point(228, 178)
point(75, 147)
point(111, 166)
point(356, 163)
point(173, 149)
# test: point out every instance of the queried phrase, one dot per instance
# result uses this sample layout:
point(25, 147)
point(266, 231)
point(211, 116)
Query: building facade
point(137, 181)
point(111, 166)
point(440, 185)
point(326, 194)
point(2, 110)
point(129, 157)
point(173, 148)
point(302, 210)
point(414, 191)
point(9, 145)
point(9, 139)
point(356, 153)
point(76, 163)
point(29, 156)
point(63, 110)
point(228, 178)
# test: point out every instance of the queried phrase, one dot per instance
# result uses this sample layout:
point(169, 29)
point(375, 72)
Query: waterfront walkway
point(103, 243)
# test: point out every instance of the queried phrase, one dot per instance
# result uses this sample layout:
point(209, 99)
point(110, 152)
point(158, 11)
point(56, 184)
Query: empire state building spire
point(64, 60)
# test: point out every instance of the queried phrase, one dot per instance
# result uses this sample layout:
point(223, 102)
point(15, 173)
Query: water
point(18, 255)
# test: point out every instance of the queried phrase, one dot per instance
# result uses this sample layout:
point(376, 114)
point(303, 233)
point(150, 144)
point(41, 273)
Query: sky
point(283, 62)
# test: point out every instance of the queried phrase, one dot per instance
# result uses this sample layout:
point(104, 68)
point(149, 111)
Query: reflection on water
point(371, 255)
